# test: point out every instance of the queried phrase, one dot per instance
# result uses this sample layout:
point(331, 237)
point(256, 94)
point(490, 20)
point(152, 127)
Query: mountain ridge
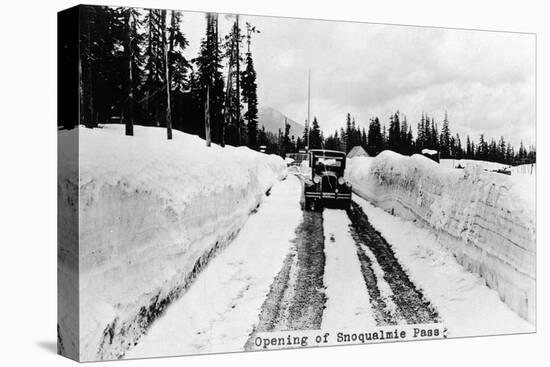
point(273, 120)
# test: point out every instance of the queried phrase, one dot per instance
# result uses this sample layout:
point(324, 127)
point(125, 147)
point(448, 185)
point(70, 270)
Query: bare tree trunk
point(207, 117)
point(227, 104)
point(167, 73)
point(81, 118)
point(129, 110)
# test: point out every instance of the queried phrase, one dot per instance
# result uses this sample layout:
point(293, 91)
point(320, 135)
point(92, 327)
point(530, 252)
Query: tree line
point(133, 70)
point(398, 136)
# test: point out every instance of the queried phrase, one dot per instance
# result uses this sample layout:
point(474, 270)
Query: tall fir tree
point(315, 135)
point(445, 138)
point(375, 143)
point(209, 77)
point(249, 90)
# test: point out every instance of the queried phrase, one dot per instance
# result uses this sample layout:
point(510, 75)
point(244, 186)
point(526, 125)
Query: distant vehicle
point(327, 186)
point(263, 148)
point(503, 170)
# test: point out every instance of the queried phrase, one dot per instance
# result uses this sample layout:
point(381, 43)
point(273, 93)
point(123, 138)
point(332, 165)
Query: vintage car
point(327, 186)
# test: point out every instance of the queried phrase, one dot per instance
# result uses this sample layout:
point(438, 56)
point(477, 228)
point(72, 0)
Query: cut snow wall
point(152, 213)
point(486, 219)
point(67, 244)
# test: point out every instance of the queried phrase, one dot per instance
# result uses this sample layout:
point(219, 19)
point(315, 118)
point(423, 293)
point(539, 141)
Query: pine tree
point(445, 138)
point(103, 64)
point(129, 85)
point(249, 93)
point(375, 142)
point(459, 153)
point(404, 145)
point(168, 113)
point(394, 138)
point(155, 84)
point(347, 137)
point(179, 66)
point(286, 144)
point(209, 77)
point(315, 136)
point(364, 139)
point(423, 134)
point(384, 137)
point(232, 125)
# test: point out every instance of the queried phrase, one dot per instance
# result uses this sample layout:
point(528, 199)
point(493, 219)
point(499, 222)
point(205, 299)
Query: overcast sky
point(484, 80)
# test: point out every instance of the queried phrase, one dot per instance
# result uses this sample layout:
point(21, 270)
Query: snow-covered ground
point(348, 305)
point(486, 219)
point(152, 214)
point(466, 305)
point(219, 311)
point(523, 169)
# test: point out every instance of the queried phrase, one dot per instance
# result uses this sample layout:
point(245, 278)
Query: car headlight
point(316, 179)
point(341, 180)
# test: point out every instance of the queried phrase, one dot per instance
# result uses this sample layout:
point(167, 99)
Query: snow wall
point(152, 212)
point(486, 219)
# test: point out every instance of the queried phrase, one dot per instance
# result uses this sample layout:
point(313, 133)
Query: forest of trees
point(133, 70)
point(399, 137)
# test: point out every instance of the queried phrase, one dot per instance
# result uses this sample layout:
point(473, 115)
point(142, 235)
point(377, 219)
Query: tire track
point(411, 305)
point(296, 299)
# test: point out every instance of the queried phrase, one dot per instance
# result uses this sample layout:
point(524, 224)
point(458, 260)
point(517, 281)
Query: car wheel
point(307, 204)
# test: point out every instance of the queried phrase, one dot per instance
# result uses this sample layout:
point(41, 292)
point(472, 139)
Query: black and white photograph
point(237, 183)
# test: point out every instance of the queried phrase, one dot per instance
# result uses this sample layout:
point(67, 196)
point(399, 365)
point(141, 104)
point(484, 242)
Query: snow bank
point(466, 305)
point(152, 213)
point(486, 219)
point(67, 249)
point(235, 284)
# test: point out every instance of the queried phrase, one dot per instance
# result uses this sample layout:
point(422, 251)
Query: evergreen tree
point(287, 146)
point(333, 141)
point(129, 85)
point(209, 77)
point(347, 136)
point(459, 153)
point(315, 136)
point(179, 66)
point(404, 145)
point(103, 63)
point(233, 124)
point(155, 72)
point(364, 139)
point(384, 138)
point(394, 138)
point(445, 138)
point(375, 142)
point(250, 98)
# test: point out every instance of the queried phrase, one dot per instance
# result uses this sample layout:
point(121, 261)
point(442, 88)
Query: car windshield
point(327, 164)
